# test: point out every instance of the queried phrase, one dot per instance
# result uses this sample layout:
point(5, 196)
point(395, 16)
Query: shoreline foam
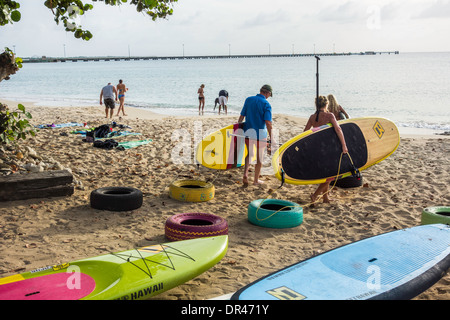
point(404, 129)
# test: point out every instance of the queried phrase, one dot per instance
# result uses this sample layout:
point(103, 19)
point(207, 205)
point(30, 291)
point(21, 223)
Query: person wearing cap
point(257, 113)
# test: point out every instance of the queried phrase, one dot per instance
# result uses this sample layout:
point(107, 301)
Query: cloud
point(267, 19)
point(439, 9)
point(349, 12)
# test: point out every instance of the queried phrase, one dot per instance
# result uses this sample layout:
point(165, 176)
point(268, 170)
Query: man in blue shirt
point(257, 113)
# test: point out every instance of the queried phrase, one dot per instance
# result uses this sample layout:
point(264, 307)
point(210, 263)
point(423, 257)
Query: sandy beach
point(40, 232)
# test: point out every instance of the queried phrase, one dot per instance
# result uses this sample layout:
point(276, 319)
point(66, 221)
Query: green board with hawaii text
point(135, 274)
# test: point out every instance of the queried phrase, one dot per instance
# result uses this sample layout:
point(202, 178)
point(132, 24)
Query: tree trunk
point(7, 65)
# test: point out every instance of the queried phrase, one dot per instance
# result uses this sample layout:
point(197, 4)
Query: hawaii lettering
point(143, 293)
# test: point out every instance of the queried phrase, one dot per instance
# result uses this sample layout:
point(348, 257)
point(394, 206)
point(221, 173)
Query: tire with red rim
point(186, 226)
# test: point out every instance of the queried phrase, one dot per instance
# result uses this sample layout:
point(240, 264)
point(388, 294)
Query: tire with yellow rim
point(191, 190)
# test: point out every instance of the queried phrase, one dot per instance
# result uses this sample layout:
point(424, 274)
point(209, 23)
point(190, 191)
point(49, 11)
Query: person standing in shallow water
point(223, 100)
point(320, 118)
point(201, 99)
point(336, 108)
point(121, 89)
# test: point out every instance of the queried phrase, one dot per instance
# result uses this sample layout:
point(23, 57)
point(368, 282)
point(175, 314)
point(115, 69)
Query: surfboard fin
point(356, 173)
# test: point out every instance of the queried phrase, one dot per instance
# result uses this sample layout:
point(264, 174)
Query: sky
point(237, 27)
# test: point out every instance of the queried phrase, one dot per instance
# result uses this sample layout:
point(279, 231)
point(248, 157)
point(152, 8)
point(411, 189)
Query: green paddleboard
point(128, 275)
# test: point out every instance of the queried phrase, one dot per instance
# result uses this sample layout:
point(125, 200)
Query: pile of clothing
point(107, 144)
point(105, 131)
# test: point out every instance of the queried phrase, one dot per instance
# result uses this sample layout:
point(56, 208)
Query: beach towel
point(111, 144)
point(118, 134)
point(82, 132)
point(62, 125)
point(115, 134)
point(132, 144)
point(121, 126)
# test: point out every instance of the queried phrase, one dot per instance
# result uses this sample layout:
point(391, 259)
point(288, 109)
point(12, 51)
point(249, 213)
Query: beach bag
point(102, 131)
point(106, 144)
point(90, 136)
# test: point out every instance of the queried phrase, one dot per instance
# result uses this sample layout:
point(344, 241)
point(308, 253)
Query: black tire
point(348, 182)
point(116, 198)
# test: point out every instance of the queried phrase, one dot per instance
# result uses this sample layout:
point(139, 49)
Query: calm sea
point(411, 89)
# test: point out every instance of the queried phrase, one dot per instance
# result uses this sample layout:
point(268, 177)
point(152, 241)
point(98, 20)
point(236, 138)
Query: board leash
point(355, 173)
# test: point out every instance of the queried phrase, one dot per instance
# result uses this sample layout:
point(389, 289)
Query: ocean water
point(411, 89)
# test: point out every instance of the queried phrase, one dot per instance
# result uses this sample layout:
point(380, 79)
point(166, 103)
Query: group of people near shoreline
point(222, 100)
point(257, 113)
point(110, 94)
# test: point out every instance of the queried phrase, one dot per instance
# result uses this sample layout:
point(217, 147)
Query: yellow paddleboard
point(223, 149)
point(314, 156)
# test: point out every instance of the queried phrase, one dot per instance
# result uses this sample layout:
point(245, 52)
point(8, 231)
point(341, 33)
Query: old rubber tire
point(191, 190)
point(348, 182)
point(432, 215)
point(186, 226)
point(275, 213)
point(116, 198)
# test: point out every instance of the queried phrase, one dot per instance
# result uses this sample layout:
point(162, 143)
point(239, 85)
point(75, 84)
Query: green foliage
point(9, 12)
point(14, 125)
point(66, 11)
point(18, 61)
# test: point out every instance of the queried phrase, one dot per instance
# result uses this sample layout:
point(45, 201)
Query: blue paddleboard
point(395, 265)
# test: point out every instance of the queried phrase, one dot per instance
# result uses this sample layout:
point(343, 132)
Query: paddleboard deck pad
point(396, 265)
point(128, 275)
point(223, 149)
point(314, 156)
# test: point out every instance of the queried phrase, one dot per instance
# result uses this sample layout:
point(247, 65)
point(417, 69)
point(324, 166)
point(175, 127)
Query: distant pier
point(135, 58)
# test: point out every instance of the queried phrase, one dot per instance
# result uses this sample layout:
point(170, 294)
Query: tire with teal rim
point(275, 213)
point(439, 214)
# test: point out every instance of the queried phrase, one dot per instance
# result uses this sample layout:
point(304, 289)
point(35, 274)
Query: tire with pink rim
point(186, 226)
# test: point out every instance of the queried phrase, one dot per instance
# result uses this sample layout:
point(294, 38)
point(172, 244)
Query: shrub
point(14, 125)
